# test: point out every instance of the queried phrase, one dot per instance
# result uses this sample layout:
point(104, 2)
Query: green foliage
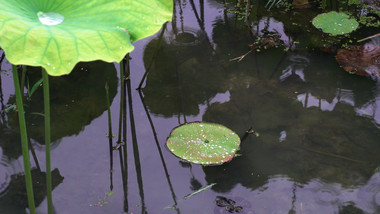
point(335, 23)
point(9, 108)
point(369, 21)
point(102, 202)
point(271, 3)
point(240, 9)
point(58, 34)
point(285, 5)
point(24, 142)
point(354, 2)
point(203, 143)
point(34, 87)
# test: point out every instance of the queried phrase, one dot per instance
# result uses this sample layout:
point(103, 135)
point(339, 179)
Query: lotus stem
point(24, 141)
point(23, 80)
point(124, 147)
point(47, 140)
point(122, 96)
point(123, 158)
point(154, 56)
point(122, 79)
point(159, 151)
point(110, 135)
point(109, 111)
point(136, 152)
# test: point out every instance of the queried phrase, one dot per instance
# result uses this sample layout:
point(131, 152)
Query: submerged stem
point(110, 135)
point(47, 140)
point(24, 141)
point(108, 111)
point(122, 96)
point(154, 56)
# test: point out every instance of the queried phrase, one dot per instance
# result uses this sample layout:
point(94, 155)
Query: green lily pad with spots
point(203, 143)
point(335, 23)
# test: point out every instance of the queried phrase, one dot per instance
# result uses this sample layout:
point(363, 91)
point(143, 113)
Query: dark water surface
point(319, 127)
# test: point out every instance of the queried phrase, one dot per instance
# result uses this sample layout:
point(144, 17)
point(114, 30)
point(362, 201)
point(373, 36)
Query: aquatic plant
point(270, 3)
point(203, 143)
point(335, 23)
point(56, 35)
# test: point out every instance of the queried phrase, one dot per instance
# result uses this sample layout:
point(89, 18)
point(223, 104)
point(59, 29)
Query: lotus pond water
point(271, 73)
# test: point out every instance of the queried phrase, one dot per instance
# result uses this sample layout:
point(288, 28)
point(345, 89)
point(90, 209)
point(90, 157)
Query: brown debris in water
point(301, 4)
point(363, 60)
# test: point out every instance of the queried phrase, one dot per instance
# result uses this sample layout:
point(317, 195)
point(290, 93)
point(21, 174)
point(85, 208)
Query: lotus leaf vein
point(89, 30)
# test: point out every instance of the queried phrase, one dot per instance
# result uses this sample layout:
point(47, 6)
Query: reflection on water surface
point(318, 144)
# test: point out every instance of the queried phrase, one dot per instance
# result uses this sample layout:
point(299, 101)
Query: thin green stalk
point(47, 140)
point(23, 80)
point(110, 135)
point(24, 142)
point(122, 96)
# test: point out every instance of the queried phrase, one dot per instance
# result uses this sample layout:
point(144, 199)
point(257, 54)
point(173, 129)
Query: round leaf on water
point(203, 143)
point(335, 23)
point(58, 34)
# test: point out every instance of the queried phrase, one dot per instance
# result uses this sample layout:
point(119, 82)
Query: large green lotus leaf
point(335, 23)
point(57, 34)
point(203, 143)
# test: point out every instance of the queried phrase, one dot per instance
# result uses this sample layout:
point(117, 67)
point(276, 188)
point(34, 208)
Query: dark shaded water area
point(319, 126)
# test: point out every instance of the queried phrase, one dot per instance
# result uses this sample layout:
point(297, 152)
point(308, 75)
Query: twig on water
point(198, 191)
point(370, 37)
point(240, 58)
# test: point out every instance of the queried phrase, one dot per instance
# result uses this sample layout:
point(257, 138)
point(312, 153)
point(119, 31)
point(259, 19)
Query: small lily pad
point(203, 143)
point(335, 23)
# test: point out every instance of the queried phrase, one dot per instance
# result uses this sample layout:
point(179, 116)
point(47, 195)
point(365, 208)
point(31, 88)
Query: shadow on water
point(69, 113)
point(15, 198)
point(312, 129)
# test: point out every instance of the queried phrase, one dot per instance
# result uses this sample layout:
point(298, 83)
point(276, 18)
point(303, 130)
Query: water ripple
point(5, 175)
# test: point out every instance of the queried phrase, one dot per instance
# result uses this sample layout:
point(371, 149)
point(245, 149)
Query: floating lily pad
point(203, 143)
point(335, 23)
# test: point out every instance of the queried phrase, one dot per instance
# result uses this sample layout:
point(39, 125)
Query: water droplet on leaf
point(50, 18)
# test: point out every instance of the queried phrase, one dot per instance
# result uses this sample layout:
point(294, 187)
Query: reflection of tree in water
point(184, 74)
point(305, 110)
point(295, 140)
point(300, 141)
point(76, 100)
